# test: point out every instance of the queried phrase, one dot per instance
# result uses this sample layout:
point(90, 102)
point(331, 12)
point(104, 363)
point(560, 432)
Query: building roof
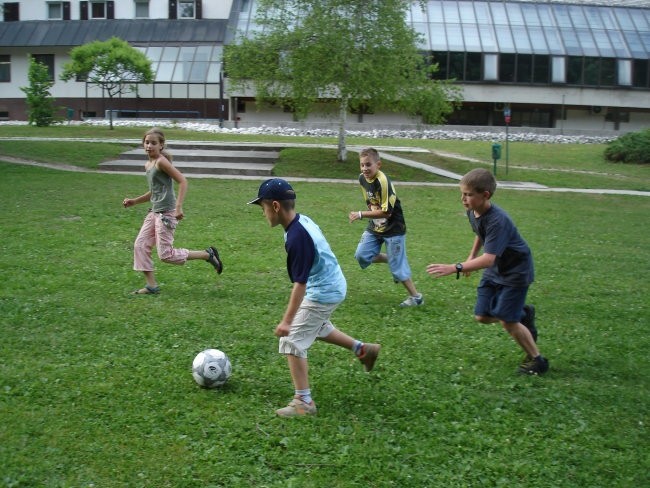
point(33, 33)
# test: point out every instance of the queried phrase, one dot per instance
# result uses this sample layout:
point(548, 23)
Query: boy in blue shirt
point(318, 288)
point(508, 265)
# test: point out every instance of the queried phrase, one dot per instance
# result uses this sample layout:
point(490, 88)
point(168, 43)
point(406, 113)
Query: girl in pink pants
point(166, 210)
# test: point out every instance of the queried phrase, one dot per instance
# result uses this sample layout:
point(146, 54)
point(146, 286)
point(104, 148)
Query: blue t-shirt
point(310, 260)
point(513, 265)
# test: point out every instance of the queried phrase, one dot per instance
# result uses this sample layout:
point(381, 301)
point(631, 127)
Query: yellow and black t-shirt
point(380, 193)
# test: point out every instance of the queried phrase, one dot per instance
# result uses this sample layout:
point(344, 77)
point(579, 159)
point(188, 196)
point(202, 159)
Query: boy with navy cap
point(318, 288)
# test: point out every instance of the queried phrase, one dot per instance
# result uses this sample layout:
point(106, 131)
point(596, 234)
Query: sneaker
point(297, 408)
point(369, 356)
point(213, 259)
point(536, 366)
point(413, 301)
point(529, 320)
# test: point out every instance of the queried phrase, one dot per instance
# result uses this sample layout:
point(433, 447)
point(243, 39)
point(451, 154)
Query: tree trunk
point(343, 114)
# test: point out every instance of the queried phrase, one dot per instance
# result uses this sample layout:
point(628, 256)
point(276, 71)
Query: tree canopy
point(37, 94)
point(361, 54)
point(113, 65)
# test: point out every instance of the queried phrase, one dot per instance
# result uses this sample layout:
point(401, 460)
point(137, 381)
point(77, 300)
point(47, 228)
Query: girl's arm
point(129, 202)
point(177, 176)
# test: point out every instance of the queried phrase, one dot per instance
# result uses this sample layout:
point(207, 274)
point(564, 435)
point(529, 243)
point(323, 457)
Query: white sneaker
point(413, 301)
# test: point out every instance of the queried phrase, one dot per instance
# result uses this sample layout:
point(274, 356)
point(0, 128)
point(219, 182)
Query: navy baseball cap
point(274, 189)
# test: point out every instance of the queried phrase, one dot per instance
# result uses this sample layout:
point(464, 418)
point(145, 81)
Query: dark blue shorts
point(503, 302)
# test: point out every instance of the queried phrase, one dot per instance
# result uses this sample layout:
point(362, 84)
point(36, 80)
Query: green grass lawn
point(96, 389)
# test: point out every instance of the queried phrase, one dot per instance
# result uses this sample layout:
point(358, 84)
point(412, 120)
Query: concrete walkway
point(386, 152)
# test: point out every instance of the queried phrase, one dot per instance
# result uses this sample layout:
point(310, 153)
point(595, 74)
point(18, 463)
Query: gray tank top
point(161, 186)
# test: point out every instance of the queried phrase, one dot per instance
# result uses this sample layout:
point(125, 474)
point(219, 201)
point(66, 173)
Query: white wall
point(125, 9)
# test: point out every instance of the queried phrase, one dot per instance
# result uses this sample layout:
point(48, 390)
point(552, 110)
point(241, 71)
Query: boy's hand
point(282, 329)
point(354, 215)
point(438, 270)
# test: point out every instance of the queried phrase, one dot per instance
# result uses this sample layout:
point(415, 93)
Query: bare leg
point(339, 338)
point(410, 287)
point(523, 337)
point(299, 369)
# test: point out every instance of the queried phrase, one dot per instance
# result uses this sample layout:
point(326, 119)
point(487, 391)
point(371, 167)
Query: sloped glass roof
point(587, 28)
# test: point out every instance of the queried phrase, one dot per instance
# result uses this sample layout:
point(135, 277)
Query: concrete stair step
point(206, 158)
point(246, 156)
point(195, 167)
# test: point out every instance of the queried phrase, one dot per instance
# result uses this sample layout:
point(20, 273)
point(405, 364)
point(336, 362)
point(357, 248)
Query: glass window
point(5, 68)
point(571, 42)
point(524, 68)
point(466, 12)
point(473, 71)
point(54, 11)
point(603, 44)
point(537, 40)
point(562, 16)
point(435, 12)
point(530, 14)
point(625, 72)
point(587, 42)
point(472, 40)
point(440, 58)
point(577, 16)
point(504, 39)
point(624, 19)
point(47, 60)
point(640, 22)
point(522, 43)
point(488, 39)
point(619, 45)
point(608, 72)
point(507, 68)
point(455, 37)
point(438, 37)
point(170, 53)
point(450, 12)
point(514, 14)
point(541, 69)
point(555, 43)
point(574, 70)
point(482, 13)
point(558, 69)
point(165, 71)
point(141, 9)
point(423, 39)
point(545, 15)
point(417, 14)
point(186, 9)
point(592, 71)
point(594, 20)
point(636, 46)
point(154, 53)
point(97, 10)
point(490, 67)
point(640, 73)
point(456, 66)
point(499, 14)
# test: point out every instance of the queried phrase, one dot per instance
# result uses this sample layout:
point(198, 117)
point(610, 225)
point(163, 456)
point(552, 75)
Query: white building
point(554, 64)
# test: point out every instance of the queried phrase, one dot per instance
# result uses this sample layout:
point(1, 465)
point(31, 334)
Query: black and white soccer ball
point(211, 368)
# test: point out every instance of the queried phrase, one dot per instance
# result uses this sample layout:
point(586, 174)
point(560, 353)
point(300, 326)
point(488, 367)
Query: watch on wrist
point(459, 270)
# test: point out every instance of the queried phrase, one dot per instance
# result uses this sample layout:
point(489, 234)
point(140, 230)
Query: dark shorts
point(505, 303)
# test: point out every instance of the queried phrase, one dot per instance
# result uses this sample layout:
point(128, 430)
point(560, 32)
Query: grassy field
point(95, 384)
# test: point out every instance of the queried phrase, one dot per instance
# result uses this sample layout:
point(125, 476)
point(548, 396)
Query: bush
point(631, 148)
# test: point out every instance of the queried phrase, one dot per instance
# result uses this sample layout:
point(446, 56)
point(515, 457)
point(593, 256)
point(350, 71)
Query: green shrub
point(630, 148)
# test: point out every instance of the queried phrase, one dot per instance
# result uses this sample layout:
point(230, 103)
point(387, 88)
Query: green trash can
point(70, 114)
point(496, 154)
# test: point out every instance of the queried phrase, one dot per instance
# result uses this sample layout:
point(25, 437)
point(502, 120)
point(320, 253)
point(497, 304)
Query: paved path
point(386, 153)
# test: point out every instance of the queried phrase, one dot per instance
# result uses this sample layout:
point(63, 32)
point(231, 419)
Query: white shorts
point(312, 321)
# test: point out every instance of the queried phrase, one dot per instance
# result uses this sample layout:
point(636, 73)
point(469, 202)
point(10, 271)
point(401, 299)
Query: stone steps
point(201, 158)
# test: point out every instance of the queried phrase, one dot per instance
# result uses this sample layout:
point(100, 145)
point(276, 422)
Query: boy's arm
point(472, 263)
point(295, 299)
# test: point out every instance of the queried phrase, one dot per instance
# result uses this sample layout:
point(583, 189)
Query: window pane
point(490, 68)
point(142, 10)
point(562, 16)
point(472, 41)
point(541, 69)
point(488, 40)
point(578, 17)
point(603, 44)
point(165, 71)
point(504, 39)
point(450, 12)
point(640, 73)
point(592, 71)
point(185, 10)
point(619, 45)
point(538, 40)
point(555, 43)
point(170, 53)
point(54, 11)
point(571, 42)
point(466, 13)
point(507, 68)
point(440, 58)
point(98, 10)
point(5, 68)
point(587, 42)
point(154, 52)
point(530, 14)
point(455, 37)
point(524, 68)
point(521, 39)
point(574, 70)
point(515, 15)
point(473, 71)
point(438, 37)
point(608, 72)
point(456, 65)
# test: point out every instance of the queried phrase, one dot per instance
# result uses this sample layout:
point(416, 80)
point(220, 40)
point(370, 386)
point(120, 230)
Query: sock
point(305, 395)
point(357, 348)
